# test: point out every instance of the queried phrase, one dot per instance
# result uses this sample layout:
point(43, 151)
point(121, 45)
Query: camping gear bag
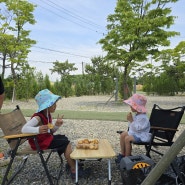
point(134, 170)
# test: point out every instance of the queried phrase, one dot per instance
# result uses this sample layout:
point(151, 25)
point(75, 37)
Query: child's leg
point(71, 163)
point(122, 142)
point(67, 153)
point(64, 145)
point(128, 145)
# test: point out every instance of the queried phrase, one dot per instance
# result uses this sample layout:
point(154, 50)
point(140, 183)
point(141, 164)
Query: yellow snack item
point(50, 125)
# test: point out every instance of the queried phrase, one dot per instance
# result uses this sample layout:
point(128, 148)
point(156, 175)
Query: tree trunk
point(165, 161)
point(15, 82)
point(126, 92)
point(3, 66)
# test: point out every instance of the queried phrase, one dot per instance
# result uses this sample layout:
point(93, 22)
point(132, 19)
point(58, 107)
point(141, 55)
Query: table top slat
point(105, 150)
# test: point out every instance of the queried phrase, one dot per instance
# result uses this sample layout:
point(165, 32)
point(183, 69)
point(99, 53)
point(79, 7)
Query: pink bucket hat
point(137, 102)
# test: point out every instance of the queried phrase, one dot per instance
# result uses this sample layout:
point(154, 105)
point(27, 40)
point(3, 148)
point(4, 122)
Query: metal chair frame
point(16, 139)
point(164, 124)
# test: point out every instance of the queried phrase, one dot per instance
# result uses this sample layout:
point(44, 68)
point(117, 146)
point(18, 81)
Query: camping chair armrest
point(119, 131)
point(164, 129)
point(19, 136)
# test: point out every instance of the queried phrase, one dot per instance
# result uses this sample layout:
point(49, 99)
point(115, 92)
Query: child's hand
point(59, 121)
point(129, 117)
point(43, 129)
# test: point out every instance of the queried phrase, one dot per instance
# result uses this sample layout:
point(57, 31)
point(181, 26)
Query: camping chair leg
point(148, 148)
point(60, 171)
point(5, 179)
point(13, 154)
point(43, 162)
point(57, 177)
point(60, 167)
point(48, 156)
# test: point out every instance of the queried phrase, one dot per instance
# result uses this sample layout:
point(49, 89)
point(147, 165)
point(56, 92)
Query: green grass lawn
point(83, 115)
point(86, 115)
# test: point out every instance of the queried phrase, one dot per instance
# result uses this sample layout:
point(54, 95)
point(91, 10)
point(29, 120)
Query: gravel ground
point(100, 103)
point(75, 129)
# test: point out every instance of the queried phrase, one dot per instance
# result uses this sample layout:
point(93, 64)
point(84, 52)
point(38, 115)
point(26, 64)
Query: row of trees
point(99, 78)
point(136, 31)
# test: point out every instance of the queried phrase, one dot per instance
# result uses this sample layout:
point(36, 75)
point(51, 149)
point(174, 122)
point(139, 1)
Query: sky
point(70, 30)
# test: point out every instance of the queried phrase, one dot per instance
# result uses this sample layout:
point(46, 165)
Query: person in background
point(41, 123)
point(138, 128)
point(1, 93)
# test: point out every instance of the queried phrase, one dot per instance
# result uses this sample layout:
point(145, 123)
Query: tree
point(173, 64)
point(101, 74)
point(47, 82)
point(25, 83)
point(40, 80)
point(14, 40)
point(137, 29)
point(63, 68)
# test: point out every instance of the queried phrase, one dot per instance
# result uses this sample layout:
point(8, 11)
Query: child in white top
point(139, 125)
point(42, 124)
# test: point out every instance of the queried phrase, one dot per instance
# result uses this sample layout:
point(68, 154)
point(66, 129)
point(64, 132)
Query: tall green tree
point(47, 82)
point(26, 83)
point(40, 80)
point(101, 73)
point(173, 64)
point(63, 68)
point(137, 29)
point(14, 38)
point(173, 58)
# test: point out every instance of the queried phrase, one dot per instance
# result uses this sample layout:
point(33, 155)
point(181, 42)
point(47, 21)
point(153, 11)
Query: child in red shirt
point(41, 123)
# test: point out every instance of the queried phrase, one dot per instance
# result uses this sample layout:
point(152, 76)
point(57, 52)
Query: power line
point(63, 52)
point(79, 24)
point(74, 15)
point(39, 61)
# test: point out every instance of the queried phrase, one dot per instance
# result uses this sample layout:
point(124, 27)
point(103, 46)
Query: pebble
point(33, 173)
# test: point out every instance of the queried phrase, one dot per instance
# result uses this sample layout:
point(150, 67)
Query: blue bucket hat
point(45, 99)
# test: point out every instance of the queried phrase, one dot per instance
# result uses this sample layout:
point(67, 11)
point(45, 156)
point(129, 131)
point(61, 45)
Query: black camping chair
point(11, 124)
point(164, 124)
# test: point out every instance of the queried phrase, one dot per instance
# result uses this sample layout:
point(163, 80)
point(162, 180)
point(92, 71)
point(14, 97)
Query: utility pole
point(134, 84)
point(82, 67)
point(116, 89)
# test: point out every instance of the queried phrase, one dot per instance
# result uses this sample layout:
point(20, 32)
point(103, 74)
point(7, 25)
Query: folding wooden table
point(105, 151)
